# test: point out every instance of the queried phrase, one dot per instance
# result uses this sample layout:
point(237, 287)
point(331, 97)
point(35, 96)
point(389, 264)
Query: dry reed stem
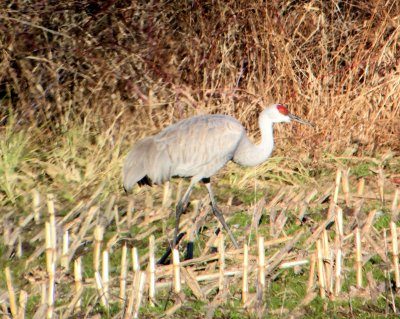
point(209, 244)
point(105, 275)
point(43, 294)
point(321, 270)
point(78, 282)
point(135, 260)
point(4, 309)
point(139, 296)
point(82, 232)
point(52, 220)
point(317, 233)
point(386, 272)
point(311, 276)
point(152, 270)
point(379, 250)
point(51, 285)
point(361, 187)
point(36, 205)
point(395, 251)
point(221, 261)
point(245, 279)
point(98, 239)
point(337, 185)
point(19, 248)
point(49, 246)
point(257, 213)
point(305, 204)
point(338, 269)
point(346, 186)
point(178, 304)
point(190, 279)
point(65, 247)
point(275, 260)
point(327, 262)
point(381, 184)
point(132, 295)
point(73, 305)
point(234, 272)
point(11, 292)
point(166, 201)
point(294, 263)
point(261, 261)
point(358, 258)
point(23, 298)
point(116, 218)
point(122, 283)
point(368, 222)
point(338, 253)
point(395, 204)
point(100, 289)
point(129, 212)
point(108, 213)
point(176, 271)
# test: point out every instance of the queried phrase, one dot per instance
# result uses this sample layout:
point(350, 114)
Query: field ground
point(292, 203)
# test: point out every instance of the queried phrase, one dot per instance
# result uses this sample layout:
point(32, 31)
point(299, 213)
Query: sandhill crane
point(198, 147)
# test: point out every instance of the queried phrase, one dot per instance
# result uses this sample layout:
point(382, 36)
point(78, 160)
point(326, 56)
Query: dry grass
point(334, 63)
point(81, 81)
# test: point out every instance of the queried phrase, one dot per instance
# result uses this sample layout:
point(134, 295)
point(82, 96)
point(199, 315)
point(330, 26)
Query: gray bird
point(198, 147)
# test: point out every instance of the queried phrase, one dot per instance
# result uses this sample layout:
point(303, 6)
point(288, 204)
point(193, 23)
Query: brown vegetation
point(336, 63)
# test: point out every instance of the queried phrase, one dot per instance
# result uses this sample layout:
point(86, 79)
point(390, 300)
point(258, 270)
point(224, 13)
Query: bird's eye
point(282, 109)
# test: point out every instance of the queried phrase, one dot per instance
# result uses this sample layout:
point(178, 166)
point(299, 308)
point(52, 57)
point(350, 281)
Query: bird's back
point(198, 146)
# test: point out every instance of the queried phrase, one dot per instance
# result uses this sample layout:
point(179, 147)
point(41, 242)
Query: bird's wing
point(200, 145)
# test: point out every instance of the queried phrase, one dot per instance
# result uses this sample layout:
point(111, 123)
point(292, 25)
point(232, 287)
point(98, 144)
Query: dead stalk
point(395, 249)
point(176, 267)
point(152, 271)
point(122, 284)
point(11, 293)
point(321, 271)
point(358, 258)
point(78, 281)
point(221, 262)
point(245, 279)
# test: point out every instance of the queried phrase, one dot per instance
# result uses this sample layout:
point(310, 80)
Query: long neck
point(249, 154)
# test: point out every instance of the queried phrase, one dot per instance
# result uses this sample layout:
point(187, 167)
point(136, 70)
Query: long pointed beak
point(300, 120)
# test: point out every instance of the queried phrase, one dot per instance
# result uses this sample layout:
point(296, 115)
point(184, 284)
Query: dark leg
point(218, 213)
point(189, 250)
point(180, 208)
point(163, 259)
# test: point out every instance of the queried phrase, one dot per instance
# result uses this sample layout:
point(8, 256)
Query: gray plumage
point(198, 147)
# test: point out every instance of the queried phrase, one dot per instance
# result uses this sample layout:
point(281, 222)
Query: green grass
point(76, 164)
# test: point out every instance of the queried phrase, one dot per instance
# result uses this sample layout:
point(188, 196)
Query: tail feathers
point(148, 162)
point(134, 166)
point(145, 181)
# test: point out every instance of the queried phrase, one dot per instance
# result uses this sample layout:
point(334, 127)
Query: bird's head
point(278, 113)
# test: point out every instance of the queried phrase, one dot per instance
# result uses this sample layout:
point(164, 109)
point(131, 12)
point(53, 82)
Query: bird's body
point(205, 143)
point(198, 147)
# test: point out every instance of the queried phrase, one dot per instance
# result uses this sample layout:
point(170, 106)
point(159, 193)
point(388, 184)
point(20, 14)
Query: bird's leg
point(218, 213)
point(163, 259)
point(180, 209)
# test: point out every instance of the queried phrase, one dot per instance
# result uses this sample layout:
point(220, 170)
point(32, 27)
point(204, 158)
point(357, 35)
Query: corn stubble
point(80, 82)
